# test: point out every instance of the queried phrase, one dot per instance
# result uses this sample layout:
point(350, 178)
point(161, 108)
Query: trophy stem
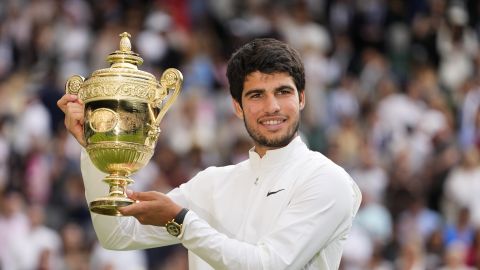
point(117, 196)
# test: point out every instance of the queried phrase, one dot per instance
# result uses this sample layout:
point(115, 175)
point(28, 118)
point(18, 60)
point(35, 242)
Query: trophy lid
point(122, 79)
point(125, 54)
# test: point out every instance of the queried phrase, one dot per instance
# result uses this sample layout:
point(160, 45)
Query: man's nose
point(271, 104)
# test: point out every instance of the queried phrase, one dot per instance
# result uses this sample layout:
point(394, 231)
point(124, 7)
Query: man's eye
point(284, 92)
point(255, 96)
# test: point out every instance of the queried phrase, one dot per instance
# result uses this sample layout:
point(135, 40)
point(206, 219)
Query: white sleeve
point(122, 232)
point(320, 212)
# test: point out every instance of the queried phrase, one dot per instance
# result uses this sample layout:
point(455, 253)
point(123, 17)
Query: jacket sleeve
point(120, 233)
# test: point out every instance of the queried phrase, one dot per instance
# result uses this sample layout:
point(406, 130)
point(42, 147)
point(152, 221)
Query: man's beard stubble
point(272, 143)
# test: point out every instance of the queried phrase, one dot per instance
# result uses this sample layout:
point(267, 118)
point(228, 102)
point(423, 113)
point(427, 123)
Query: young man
point(286, 207)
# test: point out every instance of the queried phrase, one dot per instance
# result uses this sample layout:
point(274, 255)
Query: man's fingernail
point(129, 192)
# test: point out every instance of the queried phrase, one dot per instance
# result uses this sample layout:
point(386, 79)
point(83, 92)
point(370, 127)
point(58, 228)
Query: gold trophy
point(123, 110)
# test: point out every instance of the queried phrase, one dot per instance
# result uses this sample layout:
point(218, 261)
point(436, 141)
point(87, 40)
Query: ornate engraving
point(103, 120)
point(74, 84)
point(169, 78)
point(104, 89)
point(131, 121)
point(153, 133)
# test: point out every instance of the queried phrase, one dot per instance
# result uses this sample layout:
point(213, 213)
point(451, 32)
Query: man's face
point(270, 109)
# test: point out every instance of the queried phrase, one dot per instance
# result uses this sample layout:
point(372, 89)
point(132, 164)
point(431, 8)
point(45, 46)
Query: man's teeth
point(272, 122)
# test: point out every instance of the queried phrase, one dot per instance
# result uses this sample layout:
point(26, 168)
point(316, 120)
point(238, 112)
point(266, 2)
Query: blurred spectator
point(460, 187)
point(14, 226)
point(435, 249)
point(473, 253)
point(103, 259)
point(457, 45)
point(74, 253)
point(191, 123)
point(455, 258)
point(343, 102)
point(470, 120)
point(377, 260)
point(37, 175)
point(33, 126)
point(460, 232)
point(375, 219)
point(357, 250)
point(347, 139)
point(369, 175)
point(412, 256)
point(417, 223)
point(39, 248)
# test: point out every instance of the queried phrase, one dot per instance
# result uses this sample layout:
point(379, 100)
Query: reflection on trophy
point(123, 110)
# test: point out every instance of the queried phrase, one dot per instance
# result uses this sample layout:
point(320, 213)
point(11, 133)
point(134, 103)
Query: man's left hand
point(151, 208)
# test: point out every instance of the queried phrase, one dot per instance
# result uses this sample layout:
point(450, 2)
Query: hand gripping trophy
point(123, 110)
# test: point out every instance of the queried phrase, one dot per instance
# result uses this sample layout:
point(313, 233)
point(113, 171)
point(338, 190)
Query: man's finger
point(142, 196)
point(136, 209)
point(74, 120)
point(74, 117)
point(66, 99)
point(130, 210)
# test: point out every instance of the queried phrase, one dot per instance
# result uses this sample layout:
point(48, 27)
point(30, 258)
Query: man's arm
point(320, 212)
point(121, 232)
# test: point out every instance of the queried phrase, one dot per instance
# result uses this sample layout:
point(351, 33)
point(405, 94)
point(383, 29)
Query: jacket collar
point(278, 156)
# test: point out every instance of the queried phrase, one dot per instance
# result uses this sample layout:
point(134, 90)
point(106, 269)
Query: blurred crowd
point(393, 96)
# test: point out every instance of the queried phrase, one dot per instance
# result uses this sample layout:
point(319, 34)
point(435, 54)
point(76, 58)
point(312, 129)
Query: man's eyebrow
point(283, 87)
point(253, 91)
point(261, 90)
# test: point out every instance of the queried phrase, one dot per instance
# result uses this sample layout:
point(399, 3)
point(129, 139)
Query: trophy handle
point(171, 79)
point(74, 84)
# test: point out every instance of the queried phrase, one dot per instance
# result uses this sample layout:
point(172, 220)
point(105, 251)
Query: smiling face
point(270, 109)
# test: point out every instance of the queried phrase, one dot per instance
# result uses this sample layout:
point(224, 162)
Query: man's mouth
point(272, 122)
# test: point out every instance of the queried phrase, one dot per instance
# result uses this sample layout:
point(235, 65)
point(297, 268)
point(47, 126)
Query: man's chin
point(276, 142)
point(271, 140)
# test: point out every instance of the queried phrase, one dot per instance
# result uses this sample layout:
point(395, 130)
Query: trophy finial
point(125, 44)
point(125, 57)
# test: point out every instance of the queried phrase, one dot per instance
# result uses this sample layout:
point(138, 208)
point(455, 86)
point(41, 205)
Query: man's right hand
point(73, 108)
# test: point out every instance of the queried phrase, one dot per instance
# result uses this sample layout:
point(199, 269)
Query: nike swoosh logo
point(273, 192)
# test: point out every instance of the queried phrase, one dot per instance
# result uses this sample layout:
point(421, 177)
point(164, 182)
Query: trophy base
point(116, 198)
point(109, 205)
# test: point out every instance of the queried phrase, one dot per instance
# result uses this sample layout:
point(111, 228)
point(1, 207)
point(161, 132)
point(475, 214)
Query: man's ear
point(238, 108)
point(301, 98)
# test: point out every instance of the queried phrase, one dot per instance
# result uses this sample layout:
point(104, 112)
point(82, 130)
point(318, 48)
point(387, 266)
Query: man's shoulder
point(219, 171)
point(319, 170)
point(319, 163)
point(330, 179)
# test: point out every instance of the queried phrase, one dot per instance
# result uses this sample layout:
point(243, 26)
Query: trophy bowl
point(123, 110)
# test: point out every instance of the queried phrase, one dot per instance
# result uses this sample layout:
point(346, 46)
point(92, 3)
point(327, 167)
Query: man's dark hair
point(268, 56)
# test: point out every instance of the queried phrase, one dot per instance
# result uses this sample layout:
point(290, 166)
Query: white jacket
point(291, 209)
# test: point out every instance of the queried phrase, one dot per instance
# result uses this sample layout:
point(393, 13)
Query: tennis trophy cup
point(123, 110)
